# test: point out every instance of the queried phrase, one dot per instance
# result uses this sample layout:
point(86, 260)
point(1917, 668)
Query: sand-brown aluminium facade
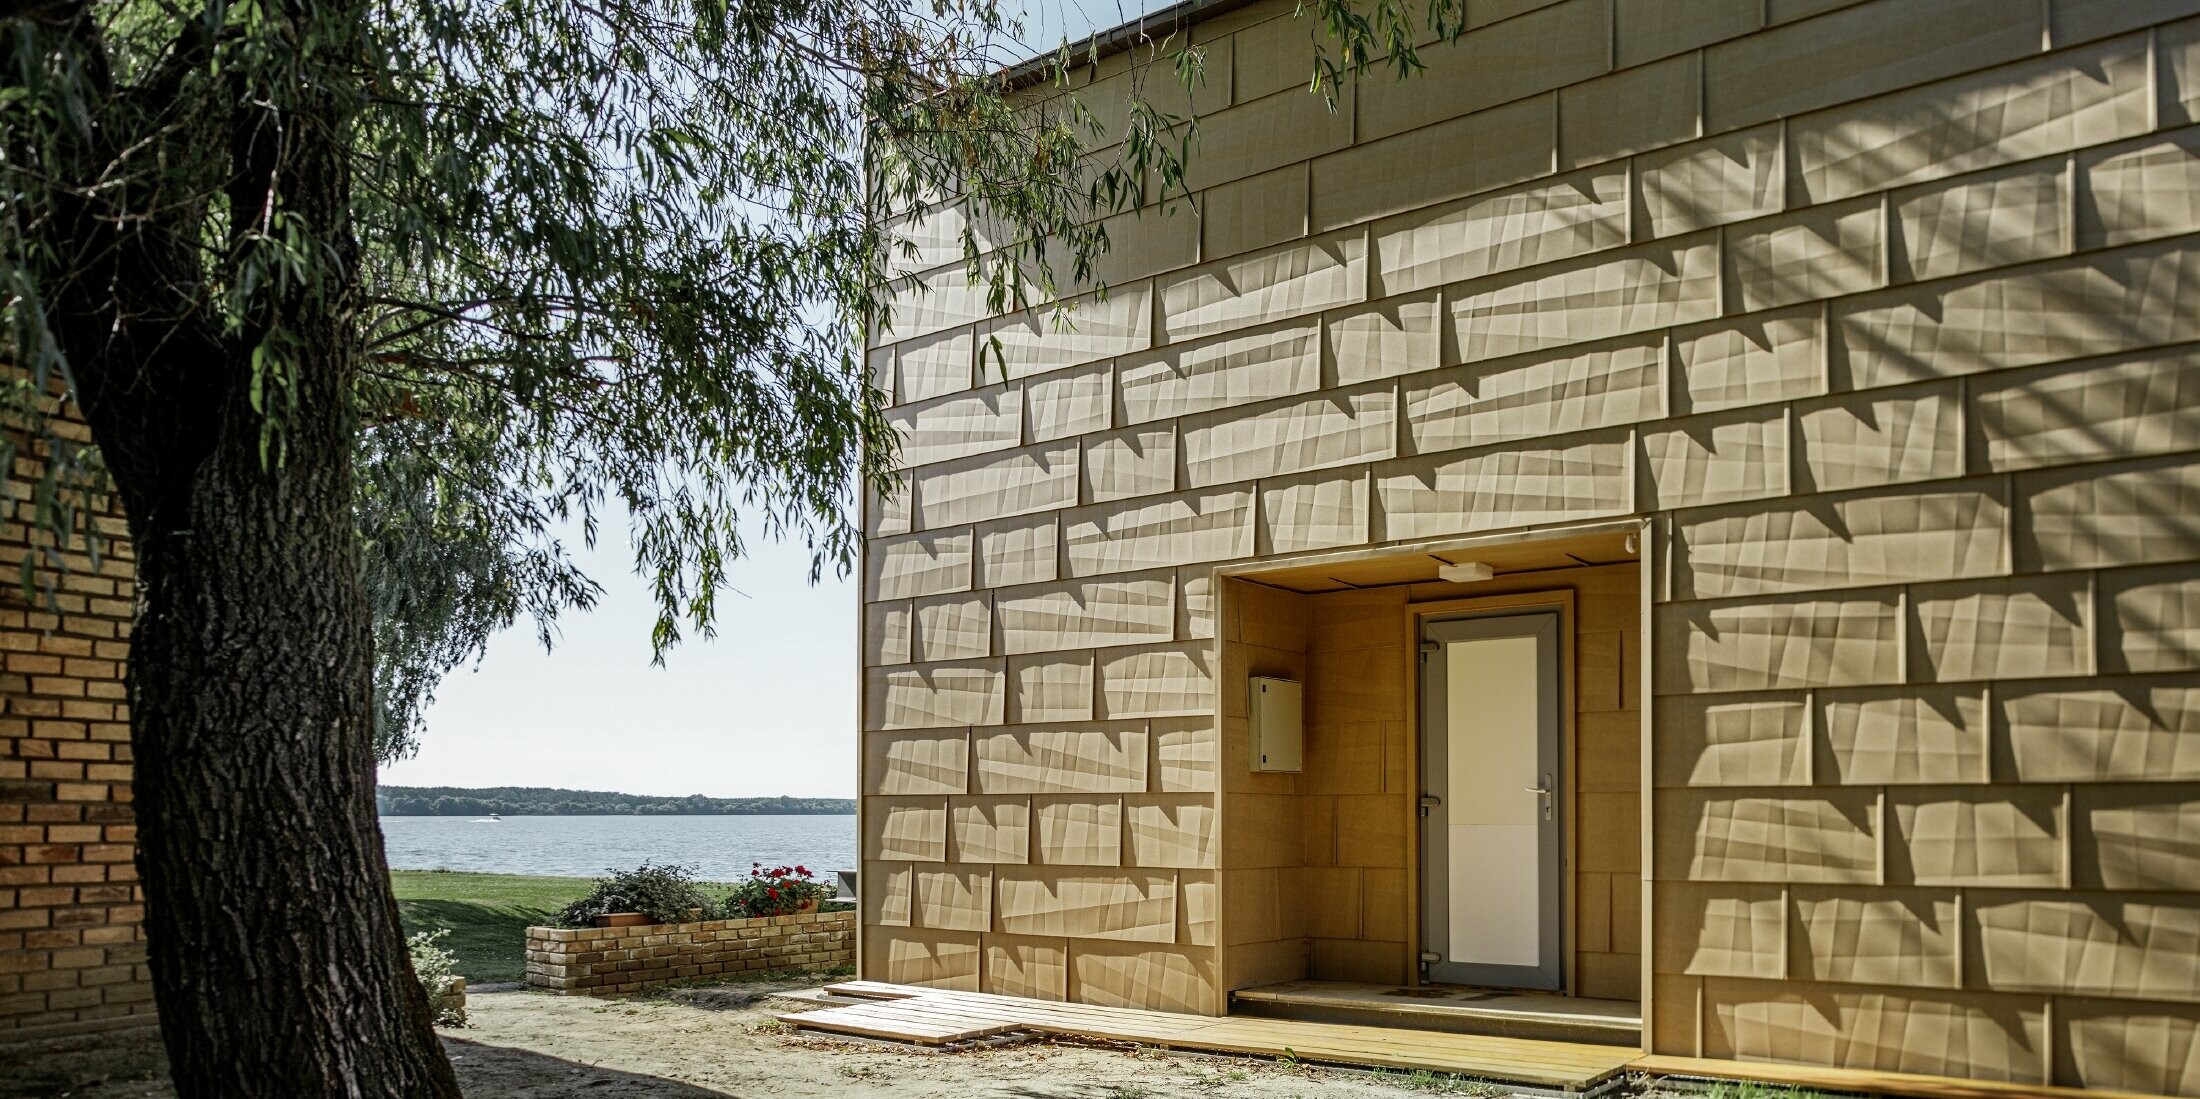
point(1881, 319)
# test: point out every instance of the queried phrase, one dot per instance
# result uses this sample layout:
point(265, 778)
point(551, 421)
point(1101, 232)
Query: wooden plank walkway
point(932, 1016)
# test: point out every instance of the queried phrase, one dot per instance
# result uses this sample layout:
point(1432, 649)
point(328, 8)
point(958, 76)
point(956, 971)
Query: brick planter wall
point(609, 960)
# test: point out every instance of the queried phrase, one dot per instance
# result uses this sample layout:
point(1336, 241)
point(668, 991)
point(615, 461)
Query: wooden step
point(1448, 1010)
point(816, 997)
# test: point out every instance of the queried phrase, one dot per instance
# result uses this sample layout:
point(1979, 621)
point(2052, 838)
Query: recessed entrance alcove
point(1462, 846)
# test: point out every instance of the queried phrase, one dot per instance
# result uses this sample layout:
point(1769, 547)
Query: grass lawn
point(488, 914)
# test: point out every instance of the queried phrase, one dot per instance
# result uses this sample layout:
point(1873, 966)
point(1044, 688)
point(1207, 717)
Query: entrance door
point(1490, 904)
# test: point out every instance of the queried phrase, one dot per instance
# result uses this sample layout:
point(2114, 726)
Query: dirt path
point(709, 1044)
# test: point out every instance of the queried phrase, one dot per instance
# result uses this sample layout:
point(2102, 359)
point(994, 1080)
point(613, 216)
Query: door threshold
point(1453, 1008)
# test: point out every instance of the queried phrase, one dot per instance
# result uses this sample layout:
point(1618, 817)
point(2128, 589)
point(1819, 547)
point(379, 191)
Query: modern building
point(1720, 480)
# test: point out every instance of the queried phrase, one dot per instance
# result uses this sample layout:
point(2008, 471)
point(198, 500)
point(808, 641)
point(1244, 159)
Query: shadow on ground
point(486, 1070)
point(129, 1064)
point(110, 1064)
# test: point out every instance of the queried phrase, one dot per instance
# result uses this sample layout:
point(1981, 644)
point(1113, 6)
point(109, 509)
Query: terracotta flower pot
point(807, 906)
point(624, 919)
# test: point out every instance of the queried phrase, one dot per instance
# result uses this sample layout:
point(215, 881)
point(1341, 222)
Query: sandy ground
point(718, 1044)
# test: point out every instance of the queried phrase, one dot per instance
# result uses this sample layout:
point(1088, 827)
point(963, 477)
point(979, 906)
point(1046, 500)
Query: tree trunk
point(278, 963)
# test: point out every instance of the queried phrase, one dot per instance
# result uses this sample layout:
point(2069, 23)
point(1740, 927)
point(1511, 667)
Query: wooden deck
point(937, 1017)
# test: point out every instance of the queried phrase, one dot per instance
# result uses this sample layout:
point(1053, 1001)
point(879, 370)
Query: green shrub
point(666, 894)
point(434, 966)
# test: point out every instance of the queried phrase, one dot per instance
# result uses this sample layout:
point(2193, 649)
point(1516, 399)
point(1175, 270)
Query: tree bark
point(278, 963)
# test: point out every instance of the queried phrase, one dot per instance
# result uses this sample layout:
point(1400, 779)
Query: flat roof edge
point(1117, 39)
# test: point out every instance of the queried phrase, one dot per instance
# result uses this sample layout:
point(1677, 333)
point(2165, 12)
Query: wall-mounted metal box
point(1279, 736)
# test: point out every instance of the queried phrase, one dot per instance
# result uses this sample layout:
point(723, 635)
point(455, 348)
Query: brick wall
point(72, 941)
point(607, 960)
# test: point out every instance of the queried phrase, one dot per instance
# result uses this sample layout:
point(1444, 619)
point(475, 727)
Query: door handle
point(1542, 791)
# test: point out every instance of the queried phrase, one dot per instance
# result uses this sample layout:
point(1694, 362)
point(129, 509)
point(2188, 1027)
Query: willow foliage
point(596, 257)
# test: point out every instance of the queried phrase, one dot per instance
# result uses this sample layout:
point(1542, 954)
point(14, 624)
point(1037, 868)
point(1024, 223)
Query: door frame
point(1442, 758)
point(1416, 618)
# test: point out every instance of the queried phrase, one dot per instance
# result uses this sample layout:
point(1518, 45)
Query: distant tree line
point(460, 801)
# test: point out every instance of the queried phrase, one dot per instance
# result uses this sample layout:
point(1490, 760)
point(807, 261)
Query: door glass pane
point(1491, 692)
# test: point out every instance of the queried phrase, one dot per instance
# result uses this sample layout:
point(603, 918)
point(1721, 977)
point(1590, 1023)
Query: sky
point(767, 708)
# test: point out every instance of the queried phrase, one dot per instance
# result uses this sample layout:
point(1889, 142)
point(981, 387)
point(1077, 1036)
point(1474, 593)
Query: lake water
point(720, 847)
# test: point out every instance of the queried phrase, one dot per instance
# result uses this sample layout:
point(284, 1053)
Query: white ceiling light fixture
point(1466, 572)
